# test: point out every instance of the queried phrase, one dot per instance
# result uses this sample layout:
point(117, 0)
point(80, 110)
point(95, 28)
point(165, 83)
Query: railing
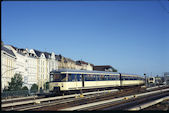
point(21, 93)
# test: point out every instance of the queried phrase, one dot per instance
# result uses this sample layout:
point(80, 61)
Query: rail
point(112, 100)
point(53, 98)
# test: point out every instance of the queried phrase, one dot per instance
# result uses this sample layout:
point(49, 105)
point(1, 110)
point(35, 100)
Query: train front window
point(151, 78)
point(58, 77)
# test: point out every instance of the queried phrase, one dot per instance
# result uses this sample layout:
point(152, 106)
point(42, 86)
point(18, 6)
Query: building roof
point(70, 60)
point(13, 47)
point(102, 67)
point(82, 71)
point(81, 62)
point(38, 53)
point(57, 57)
point(8, 51)
point(47, 54)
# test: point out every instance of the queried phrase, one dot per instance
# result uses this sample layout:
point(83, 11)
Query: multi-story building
point(67, 63)
point(166, 78)
point(20, 61)
point(104, 68)
point(8, 66)
point(84, 65)
point(26, 65)
point(35, 65)
point(46, 62)
point(30, 77)
point(61, 62)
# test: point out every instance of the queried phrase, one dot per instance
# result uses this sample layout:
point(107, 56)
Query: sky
point(131, 36)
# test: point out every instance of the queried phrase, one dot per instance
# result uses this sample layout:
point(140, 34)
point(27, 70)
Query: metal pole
point(145, 79)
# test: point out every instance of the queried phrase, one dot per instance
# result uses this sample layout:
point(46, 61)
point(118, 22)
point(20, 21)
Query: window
point(90, 77)
point(58, 77)
point(97, 77)
point(71, 77)
point(109, 77)
point(51, 78)
point(79, 77)
point(102, 77)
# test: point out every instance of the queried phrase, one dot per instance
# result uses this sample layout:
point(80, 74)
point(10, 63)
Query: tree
point(114, 70)
point(16, 83)
point(34, 87)
point(25, 88)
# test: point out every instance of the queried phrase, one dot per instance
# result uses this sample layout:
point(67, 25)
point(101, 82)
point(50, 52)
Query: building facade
point(46, 62)
point(104, 68)
point(8, 66)
point(34, 65)
point(26, 65)
point(84, 65)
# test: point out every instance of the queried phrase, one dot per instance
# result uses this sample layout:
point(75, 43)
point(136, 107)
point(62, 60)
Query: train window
point(125, 78)
point(90, 77)
point(97, 77)
point(115, 77)
point(130, 78)
point(106, 77)
point(58, 78)
point(102, 77)
point(151, 78)
point(110, 77)
point(51, 77)
point(72, 77)
point(94, 77)
point(79, 77)
point(87, 78)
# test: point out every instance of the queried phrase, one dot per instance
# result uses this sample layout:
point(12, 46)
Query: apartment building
point(84, 65)
point(46, 62)
point(26, 65)
point(8, 66)
point(35, 65)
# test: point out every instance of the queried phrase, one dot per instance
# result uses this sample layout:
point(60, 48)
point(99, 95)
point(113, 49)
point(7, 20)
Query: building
point(8, 66)
point(65, 63)
point(46, 62)
point(104, 68)
point(84, 65)
point(166, 78)
point(35, 66)
point(26, 65)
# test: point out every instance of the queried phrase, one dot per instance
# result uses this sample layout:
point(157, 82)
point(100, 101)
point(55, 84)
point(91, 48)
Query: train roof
point(92, 72)
point(84, 71)
point(129, 74)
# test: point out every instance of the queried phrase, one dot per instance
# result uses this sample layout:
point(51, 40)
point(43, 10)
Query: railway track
point(13, 100)
point(36, 103)
point(85, 101)
point(62, 102)
point(121, 103)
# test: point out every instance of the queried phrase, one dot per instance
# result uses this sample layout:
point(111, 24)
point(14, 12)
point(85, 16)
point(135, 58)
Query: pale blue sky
point(133, 37)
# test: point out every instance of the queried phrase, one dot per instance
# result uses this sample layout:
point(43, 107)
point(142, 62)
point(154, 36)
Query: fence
point(22, 93)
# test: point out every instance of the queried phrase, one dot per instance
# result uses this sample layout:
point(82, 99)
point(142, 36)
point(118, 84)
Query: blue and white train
point(68, 80)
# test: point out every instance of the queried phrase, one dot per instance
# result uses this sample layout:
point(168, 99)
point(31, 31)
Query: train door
point(82, 80)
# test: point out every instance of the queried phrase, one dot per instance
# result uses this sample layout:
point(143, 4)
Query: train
point(151, 80)
point(155, 80)
point(66, 80)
